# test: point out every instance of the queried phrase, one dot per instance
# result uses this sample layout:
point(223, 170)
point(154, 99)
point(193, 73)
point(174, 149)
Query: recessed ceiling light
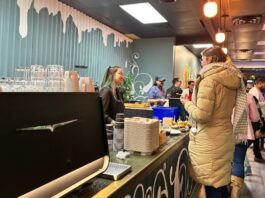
point(251, 67)
point(202, 45)
point(261, 43)
point(144, 12)
point(257, 60)
point(259, 53)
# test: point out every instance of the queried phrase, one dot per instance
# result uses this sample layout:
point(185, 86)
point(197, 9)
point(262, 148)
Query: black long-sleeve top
point(174, 92)
point(112, 104)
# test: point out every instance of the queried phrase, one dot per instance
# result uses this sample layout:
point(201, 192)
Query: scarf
point(240, 124)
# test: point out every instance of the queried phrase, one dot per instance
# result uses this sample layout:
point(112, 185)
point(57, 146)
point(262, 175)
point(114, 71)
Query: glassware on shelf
point(37, 78)
point(55, 78)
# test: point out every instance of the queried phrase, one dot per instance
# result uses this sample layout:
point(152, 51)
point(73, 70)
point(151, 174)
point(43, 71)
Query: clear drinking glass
point(55, 78)
point(37, 77)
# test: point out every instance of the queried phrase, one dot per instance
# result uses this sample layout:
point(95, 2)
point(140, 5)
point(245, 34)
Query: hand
point(183, 100)
point(162, 100)
point(113, 122)
point(258, 134)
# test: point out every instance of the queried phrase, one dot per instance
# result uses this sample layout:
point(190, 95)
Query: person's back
point(212, 140)
point(257, 93)
point(225, 84)
point(215, 127)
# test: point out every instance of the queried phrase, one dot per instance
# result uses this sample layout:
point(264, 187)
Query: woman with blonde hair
point(218, 89)
point(111, 94)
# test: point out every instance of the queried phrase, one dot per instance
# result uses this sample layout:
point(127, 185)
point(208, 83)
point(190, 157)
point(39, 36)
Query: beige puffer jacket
point(211, 148)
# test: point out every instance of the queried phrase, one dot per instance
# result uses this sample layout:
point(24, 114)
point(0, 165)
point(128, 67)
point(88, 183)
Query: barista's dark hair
point(108, 78)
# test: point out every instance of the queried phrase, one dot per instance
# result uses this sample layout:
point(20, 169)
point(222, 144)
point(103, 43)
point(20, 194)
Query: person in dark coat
point(174, 91)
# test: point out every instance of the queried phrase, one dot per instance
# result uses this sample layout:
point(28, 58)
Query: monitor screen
point(45, 136)
point(174, 102)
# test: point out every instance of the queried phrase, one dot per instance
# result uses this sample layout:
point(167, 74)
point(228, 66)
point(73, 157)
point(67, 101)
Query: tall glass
point(55, 78)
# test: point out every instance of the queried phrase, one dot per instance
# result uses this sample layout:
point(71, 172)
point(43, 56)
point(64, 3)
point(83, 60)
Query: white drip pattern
point(81, 21)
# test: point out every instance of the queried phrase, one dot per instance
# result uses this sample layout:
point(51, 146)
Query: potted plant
point(127, 88)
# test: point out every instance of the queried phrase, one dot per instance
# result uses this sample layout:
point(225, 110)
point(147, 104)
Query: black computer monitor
point(50, 143)
point(174, 102)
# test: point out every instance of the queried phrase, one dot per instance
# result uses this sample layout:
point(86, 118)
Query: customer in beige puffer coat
point(212, 145)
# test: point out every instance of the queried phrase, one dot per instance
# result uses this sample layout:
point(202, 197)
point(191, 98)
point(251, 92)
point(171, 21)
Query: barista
point(111, 93)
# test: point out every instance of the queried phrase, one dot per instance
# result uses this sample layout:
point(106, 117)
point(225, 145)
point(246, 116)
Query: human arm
point(202, 111)
point(105, 94)
point(154, 96)
point(155, 101)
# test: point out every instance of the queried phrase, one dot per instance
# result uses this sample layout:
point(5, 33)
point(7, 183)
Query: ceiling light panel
point(202, 45)
point(259, 53)
point(261, 43)
point(144, 12)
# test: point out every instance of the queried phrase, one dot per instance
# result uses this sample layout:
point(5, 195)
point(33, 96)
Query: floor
point(255, 179)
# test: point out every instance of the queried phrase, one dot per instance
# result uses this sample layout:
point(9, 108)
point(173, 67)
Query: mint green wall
point(156, 57)
point(46, 44)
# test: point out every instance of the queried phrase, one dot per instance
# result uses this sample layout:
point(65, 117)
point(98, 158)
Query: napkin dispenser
point(141, 135)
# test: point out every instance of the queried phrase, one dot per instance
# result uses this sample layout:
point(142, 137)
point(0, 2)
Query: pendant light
point(210, 9)
point(220, 35)
point(225, 46)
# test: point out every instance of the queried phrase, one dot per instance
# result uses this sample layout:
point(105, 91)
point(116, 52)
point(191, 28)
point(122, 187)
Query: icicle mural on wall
point(81, 21)
point(45, 32)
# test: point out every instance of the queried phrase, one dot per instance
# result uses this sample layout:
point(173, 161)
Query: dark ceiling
point(187, 23)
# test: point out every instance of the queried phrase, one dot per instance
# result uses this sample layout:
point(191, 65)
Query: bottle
point(109, 130)
point(118, 133)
